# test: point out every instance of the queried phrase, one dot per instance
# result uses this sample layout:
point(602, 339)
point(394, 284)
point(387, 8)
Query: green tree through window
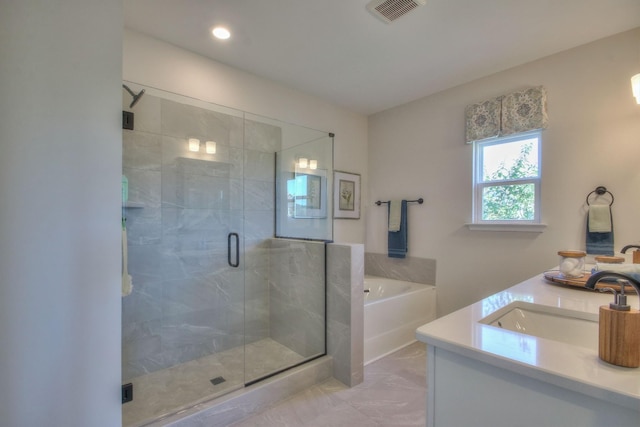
point(507, 179)
point(512, 202)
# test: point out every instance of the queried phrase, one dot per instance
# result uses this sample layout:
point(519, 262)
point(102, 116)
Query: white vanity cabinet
point(480, 375)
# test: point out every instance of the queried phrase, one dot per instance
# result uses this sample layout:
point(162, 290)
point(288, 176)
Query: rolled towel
point(395, 215)
point(632, 270)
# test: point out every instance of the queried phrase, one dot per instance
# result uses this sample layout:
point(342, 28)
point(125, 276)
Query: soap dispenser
point(619, 331)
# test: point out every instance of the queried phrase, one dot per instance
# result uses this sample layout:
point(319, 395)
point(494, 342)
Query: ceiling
point(338, 51)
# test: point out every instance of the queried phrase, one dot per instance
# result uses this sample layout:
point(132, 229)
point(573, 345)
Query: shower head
point(136, 97)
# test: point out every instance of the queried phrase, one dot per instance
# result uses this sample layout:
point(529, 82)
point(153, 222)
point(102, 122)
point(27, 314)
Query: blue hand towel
point(599, 243)
point(397, 241)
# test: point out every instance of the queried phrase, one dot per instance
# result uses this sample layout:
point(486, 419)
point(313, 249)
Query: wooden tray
point(556, 278)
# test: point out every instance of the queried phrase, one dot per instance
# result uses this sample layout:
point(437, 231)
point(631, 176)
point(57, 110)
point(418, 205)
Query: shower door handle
point(237, 237)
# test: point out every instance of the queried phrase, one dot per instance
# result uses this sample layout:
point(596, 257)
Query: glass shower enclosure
point(218, 302)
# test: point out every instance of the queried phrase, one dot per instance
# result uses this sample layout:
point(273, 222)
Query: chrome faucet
point(595, 278)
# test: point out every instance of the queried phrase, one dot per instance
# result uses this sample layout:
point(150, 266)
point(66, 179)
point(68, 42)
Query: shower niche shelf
point(133, 205)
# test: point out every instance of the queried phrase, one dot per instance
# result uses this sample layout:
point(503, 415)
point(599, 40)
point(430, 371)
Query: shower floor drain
point(217, 380)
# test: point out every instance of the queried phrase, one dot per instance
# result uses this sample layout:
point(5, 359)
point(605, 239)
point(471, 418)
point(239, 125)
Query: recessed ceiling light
point(221, 33)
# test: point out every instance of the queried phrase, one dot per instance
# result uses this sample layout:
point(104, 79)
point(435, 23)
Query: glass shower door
point(183, 324)
point(218, 302)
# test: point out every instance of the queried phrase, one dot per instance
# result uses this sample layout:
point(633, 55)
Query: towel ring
point(600, 191)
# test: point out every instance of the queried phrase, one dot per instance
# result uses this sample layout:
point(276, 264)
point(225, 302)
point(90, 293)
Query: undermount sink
point(557, 324)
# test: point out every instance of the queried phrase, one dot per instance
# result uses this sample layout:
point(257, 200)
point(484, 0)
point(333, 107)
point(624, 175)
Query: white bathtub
point(393, 309)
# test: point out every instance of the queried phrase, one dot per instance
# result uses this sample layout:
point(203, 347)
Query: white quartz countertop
point(564, 365)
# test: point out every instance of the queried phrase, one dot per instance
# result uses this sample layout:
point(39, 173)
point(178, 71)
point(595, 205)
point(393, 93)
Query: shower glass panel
point(217, 303)
point(304, 187)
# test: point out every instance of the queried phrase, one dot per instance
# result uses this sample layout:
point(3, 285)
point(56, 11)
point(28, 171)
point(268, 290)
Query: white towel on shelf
point(599, 219)
point(394, 215)
point(127, 285)
point(633, 269)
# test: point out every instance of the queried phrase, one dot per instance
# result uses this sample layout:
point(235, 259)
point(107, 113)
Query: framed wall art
point(346, 198)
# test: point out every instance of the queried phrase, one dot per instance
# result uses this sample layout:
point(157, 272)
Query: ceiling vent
point(390, 10)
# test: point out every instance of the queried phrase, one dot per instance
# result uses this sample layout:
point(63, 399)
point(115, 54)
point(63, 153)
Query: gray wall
point(592, 140)
point(60, 162)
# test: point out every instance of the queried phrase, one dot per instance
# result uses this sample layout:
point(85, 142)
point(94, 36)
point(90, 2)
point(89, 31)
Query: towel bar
point(419, 201)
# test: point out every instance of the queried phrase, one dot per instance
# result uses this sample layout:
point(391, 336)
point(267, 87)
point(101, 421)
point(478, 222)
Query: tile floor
point(392, 394)
point(169, 390)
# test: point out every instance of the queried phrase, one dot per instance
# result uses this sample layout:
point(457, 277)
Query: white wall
point(60, 166)
point(155, 63)
point(418, 150)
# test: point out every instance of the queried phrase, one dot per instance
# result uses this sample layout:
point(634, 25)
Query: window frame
point(479, 184)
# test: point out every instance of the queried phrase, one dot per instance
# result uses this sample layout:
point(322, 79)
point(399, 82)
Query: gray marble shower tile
point(259, 195)
point(141, 344)
point(178, 158)
point(262, 136)
point(257, 258)
point(144, 187)
point(146, 112)
point(144, 303)
point(411, 269)
point(198, 333)
point(179, 262)
point(236, 194)
point(258, 227)
point(195, 191)
point(236, 132)
point(236, 162)
point(259, 165)
point(198, 294)
point(339, 257)
point(144, 225)
point(210, 225)
point(187, 121)
point(141, 150)
point(175, 389)
point(145, 263)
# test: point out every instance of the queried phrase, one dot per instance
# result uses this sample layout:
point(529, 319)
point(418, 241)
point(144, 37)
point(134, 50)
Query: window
point(507, 180)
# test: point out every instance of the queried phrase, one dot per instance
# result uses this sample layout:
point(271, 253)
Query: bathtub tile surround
point(411, 269)
point(345, 311)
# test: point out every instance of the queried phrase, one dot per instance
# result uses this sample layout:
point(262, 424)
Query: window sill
point(527, 228)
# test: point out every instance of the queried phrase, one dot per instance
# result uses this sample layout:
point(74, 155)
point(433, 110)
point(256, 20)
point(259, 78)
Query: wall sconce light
point(210, 147)
point(303, 162)
point(194, 144)
point(635, 87)
point(313, 164)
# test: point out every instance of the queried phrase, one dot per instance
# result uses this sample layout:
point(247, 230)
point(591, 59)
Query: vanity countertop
point(575, 368)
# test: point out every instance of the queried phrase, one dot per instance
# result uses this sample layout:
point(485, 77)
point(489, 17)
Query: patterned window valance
point(506, 115)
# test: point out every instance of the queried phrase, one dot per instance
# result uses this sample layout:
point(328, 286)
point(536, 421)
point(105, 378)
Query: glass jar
point(572, 264)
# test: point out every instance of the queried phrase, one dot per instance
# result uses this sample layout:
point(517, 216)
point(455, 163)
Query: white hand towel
point(599, 219)
point(394, 215)
point(127, 286)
